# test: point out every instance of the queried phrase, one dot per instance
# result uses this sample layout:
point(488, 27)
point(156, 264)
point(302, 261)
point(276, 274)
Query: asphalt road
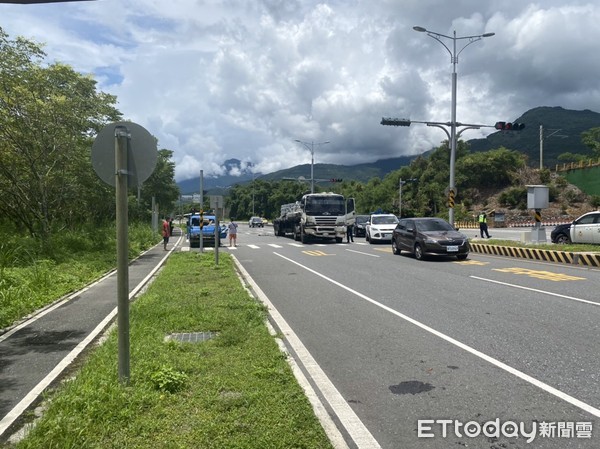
point(399, 351)
point(487, 339)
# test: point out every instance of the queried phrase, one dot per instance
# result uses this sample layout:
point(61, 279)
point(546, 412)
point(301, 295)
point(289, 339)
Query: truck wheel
point(302, 235)
point(296, 234)
point(339, 240)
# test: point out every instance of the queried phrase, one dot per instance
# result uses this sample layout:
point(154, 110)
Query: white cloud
point(216, 80)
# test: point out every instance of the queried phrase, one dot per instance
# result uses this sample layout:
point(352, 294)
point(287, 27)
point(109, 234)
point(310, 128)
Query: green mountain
point(561, 130)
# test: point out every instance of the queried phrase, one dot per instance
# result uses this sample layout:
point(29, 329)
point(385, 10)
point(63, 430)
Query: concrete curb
point(546, 255)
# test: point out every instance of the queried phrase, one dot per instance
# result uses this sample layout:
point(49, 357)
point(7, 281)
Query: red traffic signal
point(504, 126)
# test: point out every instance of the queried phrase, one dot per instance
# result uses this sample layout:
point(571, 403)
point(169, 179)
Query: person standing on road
point(166, 232)
point(483, 227)
point(232, 228)
point(349, 233)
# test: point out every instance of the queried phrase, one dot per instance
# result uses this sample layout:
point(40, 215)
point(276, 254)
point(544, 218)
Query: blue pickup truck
point(208, 230)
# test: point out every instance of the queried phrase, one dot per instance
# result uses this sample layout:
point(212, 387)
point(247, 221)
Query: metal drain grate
point(191, 337)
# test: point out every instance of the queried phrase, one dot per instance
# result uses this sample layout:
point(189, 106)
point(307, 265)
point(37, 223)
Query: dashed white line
point(527, 378)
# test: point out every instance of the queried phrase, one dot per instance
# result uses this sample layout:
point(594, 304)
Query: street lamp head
point(420, 29)
point(488, 34)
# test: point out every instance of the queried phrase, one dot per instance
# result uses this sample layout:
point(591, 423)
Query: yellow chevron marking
point(316, 253)
point(545, 275)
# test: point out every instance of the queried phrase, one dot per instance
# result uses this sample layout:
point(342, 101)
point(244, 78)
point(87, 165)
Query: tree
point(48, 115)
point(160, 185)
point(591, 139)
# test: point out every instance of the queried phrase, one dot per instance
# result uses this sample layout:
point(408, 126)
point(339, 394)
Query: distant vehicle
point(379, 227)
point(316, 216)
point(359, 225)
point(256, 222)
point(429, 236)
point(585, 229)
point(207, 229)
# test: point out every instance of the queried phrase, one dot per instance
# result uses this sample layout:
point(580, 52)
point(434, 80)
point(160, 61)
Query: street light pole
point(311, 148)
point(454, 60)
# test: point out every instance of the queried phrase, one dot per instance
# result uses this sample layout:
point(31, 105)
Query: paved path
point(37, 352)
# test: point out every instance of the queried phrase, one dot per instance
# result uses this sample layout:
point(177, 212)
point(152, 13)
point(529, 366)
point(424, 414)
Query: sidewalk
point(35, 353)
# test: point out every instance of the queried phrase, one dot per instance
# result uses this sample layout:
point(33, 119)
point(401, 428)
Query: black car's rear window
point(433, 225)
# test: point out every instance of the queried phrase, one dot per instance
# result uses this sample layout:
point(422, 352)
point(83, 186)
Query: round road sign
point(141, 153)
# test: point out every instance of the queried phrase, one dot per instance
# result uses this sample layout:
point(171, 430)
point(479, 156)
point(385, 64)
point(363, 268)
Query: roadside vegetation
point(234, 390)
point(32, 276)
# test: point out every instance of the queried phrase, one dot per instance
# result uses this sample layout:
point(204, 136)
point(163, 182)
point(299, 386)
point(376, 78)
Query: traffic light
point(335, 180)
point(395, 121)
point(504, 126)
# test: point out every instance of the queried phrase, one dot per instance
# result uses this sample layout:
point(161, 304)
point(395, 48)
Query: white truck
point(316, 215)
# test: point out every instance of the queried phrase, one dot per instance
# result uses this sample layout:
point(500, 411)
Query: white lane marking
point(274, 245)
point(254, 246)
point(297, 245)
point(360, 252)
point(20, 408)
point(353, 425)
point(318, 376)
point(544, 292)
point(527, 378)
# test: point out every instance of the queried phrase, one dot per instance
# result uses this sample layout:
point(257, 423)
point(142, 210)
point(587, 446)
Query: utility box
point(537, 197)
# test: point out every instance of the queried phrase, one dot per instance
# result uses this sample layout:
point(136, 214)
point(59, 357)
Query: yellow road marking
point(385, 250)
point(471, 262)
point(545, 275)
point(316, 253)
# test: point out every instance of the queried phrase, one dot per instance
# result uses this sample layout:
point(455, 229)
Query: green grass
point(575, 248)
point(235, 390)
point(31, 278)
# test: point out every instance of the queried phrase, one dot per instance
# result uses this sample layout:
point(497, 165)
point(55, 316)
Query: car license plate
point(325, 234)
point(452, 249)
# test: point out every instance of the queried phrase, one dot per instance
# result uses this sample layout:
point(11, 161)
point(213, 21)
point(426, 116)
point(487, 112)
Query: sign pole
point(217, 234)
point(201, 210)
point(121, 144)
point(123, 153)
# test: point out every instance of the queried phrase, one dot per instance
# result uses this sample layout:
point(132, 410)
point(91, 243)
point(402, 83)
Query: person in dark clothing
point(350, 233)
point(483, 227)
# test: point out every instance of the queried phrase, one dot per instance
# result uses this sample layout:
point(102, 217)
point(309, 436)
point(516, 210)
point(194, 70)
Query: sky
point(214, 80)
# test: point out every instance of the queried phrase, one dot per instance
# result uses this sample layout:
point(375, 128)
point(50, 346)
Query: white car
point(586, 229)
point(380, 227)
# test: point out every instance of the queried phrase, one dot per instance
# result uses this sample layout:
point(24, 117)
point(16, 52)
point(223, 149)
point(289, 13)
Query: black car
point(561, 234)
point(255, 222)
point(359, 225)
point(429, 236)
